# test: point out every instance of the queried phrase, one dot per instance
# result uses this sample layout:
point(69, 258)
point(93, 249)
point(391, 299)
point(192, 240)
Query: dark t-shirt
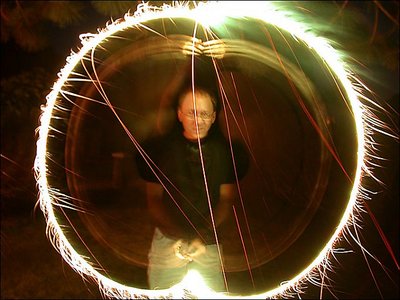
point(191, 178)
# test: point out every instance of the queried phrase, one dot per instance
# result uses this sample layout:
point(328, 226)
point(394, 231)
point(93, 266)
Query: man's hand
point(188, 251)
point(180, 250)
point(196, 248)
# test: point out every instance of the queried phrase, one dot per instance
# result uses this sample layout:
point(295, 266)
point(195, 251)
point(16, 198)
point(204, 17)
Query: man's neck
point(195, 140)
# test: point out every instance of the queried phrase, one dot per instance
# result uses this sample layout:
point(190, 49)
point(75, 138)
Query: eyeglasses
point(201, 115)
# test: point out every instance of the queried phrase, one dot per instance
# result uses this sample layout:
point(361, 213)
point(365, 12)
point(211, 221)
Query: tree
point(27, 22)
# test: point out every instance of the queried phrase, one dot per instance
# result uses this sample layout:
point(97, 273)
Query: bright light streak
point(208, 14)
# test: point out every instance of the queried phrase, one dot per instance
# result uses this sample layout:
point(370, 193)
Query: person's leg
point(165, 268)
point(209, 267)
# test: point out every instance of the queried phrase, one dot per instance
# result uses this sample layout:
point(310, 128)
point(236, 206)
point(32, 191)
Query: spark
point(209, 15)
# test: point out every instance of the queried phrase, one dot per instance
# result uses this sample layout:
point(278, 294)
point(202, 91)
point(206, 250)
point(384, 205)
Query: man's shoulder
point(228, 144)
point(157, 140)
point(233, 152)
point(162, 146)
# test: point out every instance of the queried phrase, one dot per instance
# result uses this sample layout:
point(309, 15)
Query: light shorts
point(166, 269)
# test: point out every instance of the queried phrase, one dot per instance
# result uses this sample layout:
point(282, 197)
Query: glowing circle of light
point(266, 12)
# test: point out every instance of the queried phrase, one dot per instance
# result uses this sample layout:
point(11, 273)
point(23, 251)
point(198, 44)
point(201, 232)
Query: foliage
point(26, 22)
point(115, 8)
point(21, 96)
point(24, 91)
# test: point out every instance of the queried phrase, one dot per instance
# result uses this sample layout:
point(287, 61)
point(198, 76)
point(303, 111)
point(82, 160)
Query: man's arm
point(227, 194)
point(154, 192)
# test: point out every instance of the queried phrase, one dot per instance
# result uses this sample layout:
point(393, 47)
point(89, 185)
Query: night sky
point(32, 269)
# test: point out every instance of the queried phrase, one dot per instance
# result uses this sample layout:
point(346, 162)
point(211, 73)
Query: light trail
point(209, 15)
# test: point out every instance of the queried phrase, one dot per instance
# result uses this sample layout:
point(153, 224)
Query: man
point(191, 185)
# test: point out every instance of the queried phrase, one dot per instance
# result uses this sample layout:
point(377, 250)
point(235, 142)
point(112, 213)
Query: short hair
point(199, 92)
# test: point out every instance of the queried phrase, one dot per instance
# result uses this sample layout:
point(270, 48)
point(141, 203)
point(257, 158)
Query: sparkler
point(212, 17)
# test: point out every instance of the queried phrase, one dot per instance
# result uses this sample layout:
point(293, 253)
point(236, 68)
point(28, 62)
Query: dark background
point(38, 36)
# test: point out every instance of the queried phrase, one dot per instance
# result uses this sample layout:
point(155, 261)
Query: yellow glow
point(208, 14)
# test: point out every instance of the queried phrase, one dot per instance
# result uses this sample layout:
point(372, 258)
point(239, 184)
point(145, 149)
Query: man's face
point(196, 125)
